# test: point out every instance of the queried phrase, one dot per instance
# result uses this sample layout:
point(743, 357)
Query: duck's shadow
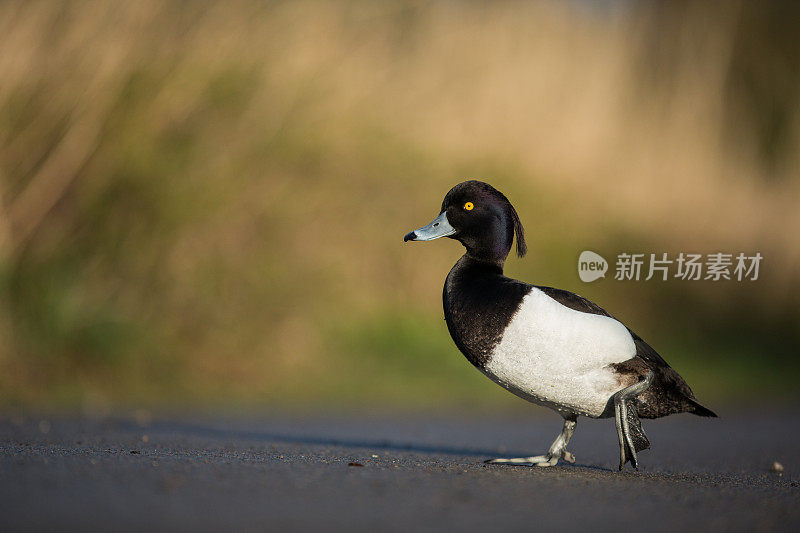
point(479, 455)
point(564, 464)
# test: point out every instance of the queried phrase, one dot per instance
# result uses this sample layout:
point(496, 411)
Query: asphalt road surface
point(393, 473)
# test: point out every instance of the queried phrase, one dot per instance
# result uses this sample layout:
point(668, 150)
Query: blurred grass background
point(202, 204)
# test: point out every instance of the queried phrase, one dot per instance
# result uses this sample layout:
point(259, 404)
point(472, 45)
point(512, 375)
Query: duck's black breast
point(479, 303)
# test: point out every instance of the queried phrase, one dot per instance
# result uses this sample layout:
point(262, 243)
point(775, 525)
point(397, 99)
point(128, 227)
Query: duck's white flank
point(555, 356)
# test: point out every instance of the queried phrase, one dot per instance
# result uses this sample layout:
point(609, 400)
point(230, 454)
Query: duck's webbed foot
point(557, 451)
point(632, 438)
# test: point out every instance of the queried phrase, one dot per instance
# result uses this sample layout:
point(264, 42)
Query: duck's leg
point(629, 429)
point(557, 451)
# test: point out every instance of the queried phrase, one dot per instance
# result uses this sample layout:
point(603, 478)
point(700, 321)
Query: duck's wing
point(579, 303)
point(670, 393)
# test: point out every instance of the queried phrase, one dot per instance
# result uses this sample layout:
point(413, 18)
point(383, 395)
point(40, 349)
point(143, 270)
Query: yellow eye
point(468, 206)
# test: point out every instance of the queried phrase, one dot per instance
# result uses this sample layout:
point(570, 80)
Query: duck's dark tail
point(699, 410)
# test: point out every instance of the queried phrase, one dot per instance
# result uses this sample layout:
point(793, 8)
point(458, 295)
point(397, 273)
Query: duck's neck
point(479, 265)
point(493, 253)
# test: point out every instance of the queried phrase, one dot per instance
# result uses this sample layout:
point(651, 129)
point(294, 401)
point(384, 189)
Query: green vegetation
point(203, 204)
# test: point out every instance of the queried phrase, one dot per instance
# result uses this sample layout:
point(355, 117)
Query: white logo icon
point(591, 266)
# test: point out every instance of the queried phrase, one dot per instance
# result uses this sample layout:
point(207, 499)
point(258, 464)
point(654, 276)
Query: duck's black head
point(481, 218)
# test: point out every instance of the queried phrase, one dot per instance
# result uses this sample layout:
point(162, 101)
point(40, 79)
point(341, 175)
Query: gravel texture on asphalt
point(393, 473)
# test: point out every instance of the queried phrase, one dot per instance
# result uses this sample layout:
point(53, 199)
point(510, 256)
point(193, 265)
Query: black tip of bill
point(410, 237)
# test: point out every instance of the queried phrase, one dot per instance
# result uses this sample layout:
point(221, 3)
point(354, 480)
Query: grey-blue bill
point(439, 227)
